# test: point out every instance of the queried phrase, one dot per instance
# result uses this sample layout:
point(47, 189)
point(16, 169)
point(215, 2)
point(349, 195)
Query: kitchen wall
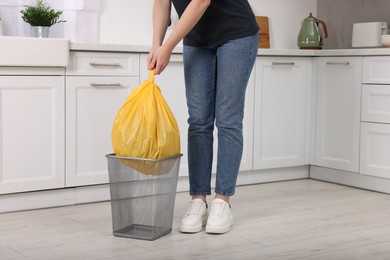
point(340, 15)
point(81, 17)
point(130, 21)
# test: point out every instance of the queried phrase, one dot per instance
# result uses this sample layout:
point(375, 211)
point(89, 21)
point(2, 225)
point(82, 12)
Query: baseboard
point(350, 179)
point(98, 193)
point(273, 175)
point(37, 200)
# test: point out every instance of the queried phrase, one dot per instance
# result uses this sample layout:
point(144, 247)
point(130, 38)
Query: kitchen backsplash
point(340, 15)
point(130, 21)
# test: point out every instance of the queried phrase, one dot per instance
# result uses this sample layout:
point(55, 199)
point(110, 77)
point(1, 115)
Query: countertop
point(262, 52)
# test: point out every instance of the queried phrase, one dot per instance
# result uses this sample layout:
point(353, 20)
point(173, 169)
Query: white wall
point(126, 21)
point(130, 21)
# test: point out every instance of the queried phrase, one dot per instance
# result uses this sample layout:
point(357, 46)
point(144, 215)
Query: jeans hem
point(228, 194)
point(200, 193)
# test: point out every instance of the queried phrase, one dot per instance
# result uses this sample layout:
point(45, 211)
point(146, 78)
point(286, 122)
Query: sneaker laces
point(218, 209)
point(194, 209)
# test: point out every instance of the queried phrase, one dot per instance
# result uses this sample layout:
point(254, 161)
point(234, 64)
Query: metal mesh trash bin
point(143, 193)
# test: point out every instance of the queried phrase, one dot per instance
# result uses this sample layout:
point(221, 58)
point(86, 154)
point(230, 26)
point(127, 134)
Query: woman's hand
point(150, 60)
point(158, 58)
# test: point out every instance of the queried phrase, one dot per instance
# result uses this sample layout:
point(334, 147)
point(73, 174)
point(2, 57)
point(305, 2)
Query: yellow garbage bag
point(144, 126)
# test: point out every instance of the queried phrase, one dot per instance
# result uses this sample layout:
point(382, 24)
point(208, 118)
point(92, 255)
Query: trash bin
point(143, 193)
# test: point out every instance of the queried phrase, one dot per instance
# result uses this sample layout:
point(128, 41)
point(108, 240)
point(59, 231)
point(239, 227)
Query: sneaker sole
point(190, 229)
point(217, 230)
point(196, 229)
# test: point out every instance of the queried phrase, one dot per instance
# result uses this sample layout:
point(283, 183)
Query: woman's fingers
point(159, 59)
point(160, 66)
point(151, 61)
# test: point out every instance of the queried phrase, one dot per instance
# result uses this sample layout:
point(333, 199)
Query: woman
point(220, 39)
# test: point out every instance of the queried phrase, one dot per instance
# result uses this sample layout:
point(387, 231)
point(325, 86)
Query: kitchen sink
point(28, 51)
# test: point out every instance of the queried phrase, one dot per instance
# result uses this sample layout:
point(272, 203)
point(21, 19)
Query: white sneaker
point(195, 218)
point(220, 219)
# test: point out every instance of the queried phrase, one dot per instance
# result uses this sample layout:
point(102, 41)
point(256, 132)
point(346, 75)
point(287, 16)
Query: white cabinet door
point(172, 85)
point(338, 112)
point(91, 107)
point(248, 125)
point(376, 69)
point(376, 103)
point(375, 150)
point(171, 82)
point(32, 137)
point(281, 89)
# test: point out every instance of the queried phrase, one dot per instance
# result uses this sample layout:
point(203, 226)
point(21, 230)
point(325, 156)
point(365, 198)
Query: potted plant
point(41, 17)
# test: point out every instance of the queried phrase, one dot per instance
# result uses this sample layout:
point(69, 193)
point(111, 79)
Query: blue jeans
point(216, 81)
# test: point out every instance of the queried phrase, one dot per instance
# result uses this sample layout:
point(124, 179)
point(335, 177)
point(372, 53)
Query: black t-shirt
point(223, 20)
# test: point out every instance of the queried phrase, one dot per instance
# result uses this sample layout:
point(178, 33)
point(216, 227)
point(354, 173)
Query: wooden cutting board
point(263, 23)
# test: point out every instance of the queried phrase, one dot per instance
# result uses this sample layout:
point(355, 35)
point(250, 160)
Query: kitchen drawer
point(375, 150)
point(376, 70)
point(103, 64)
point(376, 103)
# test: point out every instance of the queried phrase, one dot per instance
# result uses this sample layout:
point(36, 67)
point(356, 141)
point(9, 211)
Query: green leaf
point(41, 14)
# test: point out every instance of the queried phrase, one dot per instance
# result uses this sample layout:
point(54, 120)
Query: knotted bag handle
point(151, 75)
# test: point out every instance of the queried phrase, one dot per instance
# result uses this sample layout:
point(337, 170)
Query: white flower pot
point(40, 31)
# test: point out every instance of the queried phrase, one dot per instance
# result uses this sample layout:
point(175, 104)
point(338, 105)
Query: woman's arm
point(161, 52)
point(161, 18)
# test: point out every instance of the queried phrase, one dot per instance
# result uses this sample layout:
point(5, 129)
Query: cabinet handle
point(114, 65)
point(98, 85)
point(338, 63)
point(283, 63)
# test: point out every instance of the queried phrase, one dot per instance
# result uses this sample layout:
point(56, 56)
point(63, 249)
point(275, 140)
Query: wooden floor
point(303, 219)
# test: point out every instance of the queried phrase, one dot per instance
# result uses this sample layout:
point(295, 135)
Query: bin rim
point(112, 155)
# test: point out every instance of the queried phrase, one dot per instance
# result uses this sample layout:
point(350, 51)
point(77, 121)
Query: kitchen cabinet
point(97, 84)
point(248, 125)
point(32, 131)
point(376, 70)
point(375, 150)
point(82, 63)
point(91, 107)
point(376, 103)
point(338, 113)
point(281, 92)
point(55, 123)
point(172, 85)
point(375, 126)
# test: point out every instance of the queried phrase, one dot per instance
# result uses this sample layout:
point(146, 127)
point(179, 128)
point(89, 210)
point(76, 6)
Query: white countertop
point(262, 52)
point(354, 52)
point(109, 47)
point(22, 51)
